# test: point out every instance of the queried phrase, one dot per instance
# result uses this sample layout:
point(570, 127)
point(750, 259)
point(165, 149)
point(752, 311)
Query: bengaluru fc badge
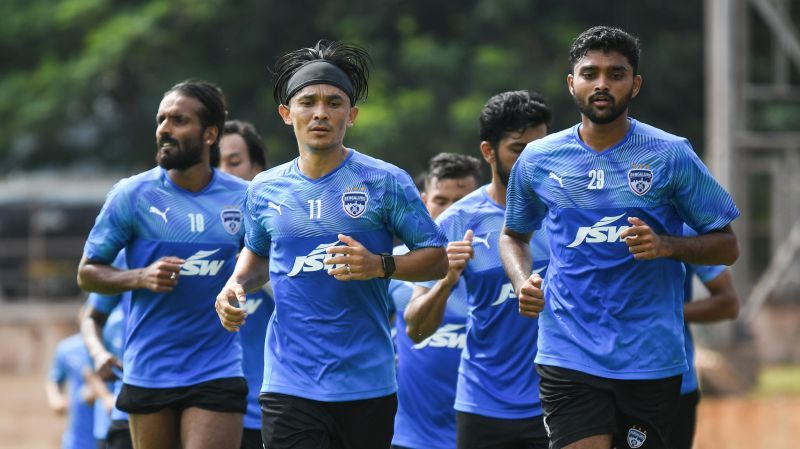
point(231, 219)
point(354, 201)
point(640, 179)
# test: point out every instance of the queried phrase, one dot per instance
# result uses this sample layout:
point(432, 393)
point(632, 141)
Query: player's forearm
point(55, 398)
point(105, 279)
point(251, 272)
point(715, 248)
point(423, 264)
point(723, 304)
point(425, 311)
point(92, 324)
point(515, 253)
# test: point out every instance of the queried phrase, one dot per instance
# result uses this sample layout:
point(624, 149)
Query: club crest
point(640, 179)
point(231, 220)
point(354, 201)
point(636, 437)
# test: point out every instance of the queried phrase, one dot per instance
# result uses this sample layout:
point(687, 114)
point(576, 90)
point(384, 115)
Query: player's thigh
point(208, 429)
point(291, 422)
point(577, 406)
point(157, 430)
point(364, 424)
point(483, 432)
point(683, 420)
point(644, 408)
point(251, 439)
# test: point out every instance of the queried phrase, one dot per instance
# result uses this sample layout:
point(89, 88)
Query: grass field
point(768, 418)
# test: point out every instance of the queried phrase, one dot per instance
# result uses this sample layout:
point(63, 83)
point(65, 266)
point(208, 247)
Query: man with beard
point(613, 194)
point(496, 401)
point(181, 226)
point(321, 228)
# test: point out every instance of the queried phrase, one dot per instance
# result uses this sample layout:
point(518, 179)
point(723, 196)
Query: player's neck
point(600, 137)
point(193, 179)
point(316, 164)
point(496, 190)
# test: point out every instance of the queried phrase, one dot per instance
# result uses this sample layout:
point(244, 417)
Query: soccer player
point(103, 330)
point(70, 361)
point(427, 371)
point(243, 154)
point(722, 304)
point(242, 151)
point(181, 226)
point(321, 228)
point(497, 404)
point(615, 193)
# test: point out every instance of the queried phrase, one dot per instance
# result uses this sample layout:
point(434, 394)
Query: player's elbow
point(440, 266)
point(415, 334)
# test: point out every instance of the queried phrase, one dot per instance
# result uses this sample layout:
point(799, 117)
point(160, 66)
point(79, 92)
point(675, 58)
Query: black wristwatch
point(387, 260)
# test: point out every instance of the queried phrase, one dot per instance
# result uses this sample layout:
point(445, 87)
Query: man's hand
point(162, 275)
point(104, 365)
point(458, 255)
point(531, 297)
point(642, 242)
point(358, 264)
point(230, 315)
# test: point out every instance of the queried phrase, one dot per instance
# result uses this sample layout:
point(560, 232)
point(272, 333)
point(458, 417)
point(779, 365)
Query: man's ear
point(283, 111)
point(210, 134)
point(570, 86)
point(487, 152)
point(637, 85)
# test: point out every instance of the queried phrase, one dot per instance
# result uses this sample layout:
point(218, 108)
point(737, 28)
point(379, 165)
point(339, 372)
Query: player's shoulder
point(138, 181)
point(666, 143)
point(230, 182)
point(548, 144)
point(377, 167)
point(275, 177)
point(72, 343)
point(465, 208)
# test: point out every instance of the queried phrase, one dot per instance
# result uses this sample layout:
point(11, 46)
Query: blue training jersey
point(496, 377)
point(330, 340)
point(259, 306)
point(427, 373)
point(706, 273)
point(606, 313)
point(175, 339)
point(70, 360)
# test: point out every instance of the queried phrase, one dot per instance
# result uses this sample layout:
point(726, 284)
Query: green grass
point(779, 380)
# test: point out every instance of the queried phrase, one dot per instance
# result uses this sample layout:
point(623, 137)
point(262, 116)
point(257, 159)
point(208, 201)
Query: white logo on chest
point(163, 215)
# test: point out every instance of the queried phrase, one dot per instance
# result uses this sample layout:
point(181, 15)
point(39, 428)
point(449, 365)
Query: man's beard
point(184, 154)
point(607, 115)
point(504, 173)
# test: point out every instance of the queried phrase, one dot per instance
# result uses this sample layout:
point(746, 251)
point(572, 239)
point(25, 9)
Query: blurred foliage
point(779, 380)
point(81, 79)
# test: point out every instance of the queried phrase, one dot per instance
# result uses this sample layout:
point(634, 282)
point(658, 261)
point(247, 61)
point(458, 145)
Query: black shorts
point(683, 420)
point(482, 432)
point(218, 395)
point(119, 435)
point(577, 405)
point(298, 423)
point(251, 439)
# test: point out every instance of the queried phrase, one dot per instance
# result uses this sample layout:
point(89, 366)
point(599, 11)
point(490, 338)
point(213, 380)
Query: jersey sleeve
point(524, 209)
point(407, 217)
point(256, 239)
point(114, 226)
point(708, 273)
point(699, 199)
point(58, 370)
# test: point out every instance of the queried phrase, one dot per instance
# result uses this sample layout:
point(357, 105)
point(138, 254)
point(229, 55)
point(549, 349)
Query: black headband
point(318, 72)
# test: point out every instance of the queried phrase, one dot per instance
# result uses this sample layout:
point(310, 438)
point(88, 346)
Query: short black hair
point(607, 39)
point(452, 166)
point(513, 111)
point(255, 144)
point(215, 107)
point(352, 59)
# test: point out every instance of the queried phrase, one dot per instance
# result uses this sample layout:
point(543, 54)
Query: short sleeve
point(524, 209)
point(699, 199)
point(708, 273)
point(257, 239)
point(407, 216)
point(114, 226)
point(58, 370)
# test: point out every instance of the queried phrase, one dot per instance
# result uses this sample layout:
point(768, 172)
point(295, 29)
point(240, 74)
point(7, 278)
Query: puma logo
point(154, 210)
point(277, 207)
point(482, 240)
point(557, 178)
